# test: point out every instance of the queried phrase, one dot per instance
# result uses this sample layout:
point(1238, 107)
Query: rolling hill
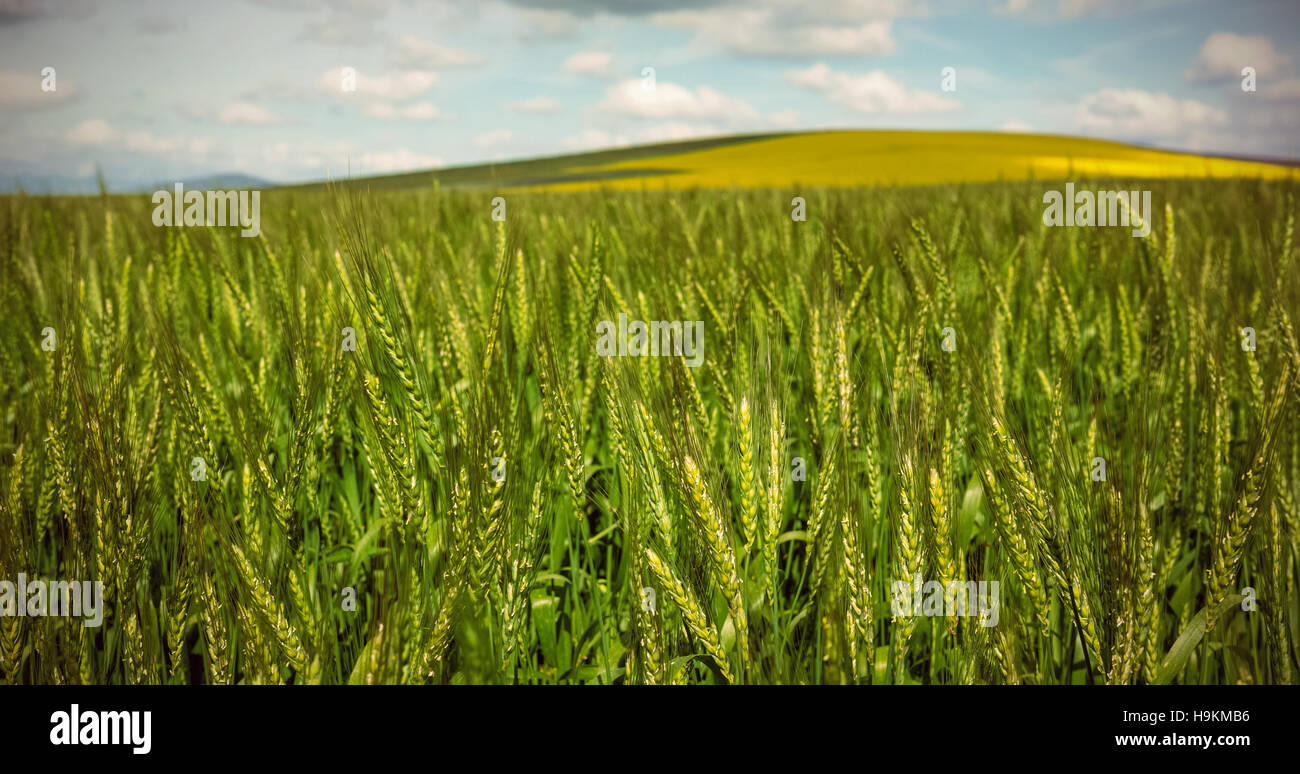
point(836, 159)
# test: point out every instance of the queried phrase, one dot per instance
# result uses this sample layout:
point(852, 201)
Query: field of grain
point(910, 383)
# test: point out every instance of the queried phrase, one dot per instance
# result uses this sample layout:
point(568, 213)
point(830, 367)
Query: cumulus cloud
point(388, 96)
point(493, 138)
point(672, 101)
point(245, 113)
point(1224, 54)
point(793, 28)
point(539, 23)
point(870, 92)
point(397, 160)
point(674, 131)
point(783, 118)
point(98, 133)
point(766, 33)
point(396, 86)
point(144, 142)
point(91, 132)
point(415, 53)
point(593, 139)
point(594, 63)
point(1144, 115)
point(387, 111)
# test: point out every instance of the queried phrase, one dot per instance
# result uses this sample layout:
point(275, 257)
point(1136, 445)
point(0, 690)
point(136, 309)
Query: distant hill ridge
point(836, 159)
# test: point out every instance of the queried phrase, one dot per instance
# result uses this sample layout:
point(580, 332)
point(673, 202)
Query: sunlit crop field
point(383, 442)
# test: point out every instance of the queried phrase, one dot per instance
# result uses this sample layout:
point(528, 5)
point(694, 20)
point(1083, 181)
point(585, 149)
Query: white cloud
point(1224, 54)
point(493, 138)
point(1137, 114)
point(795, 28)
point(536, 105)
point(387, 111)
point(144, 142)
point(870, 39)
point(594, 63)
point(23, 89)
point(545, 23)
point(94, 132)
point(761, 32)
point(420, 111)
point(382, 96)
point(783, 118)
point(245, 113)
point(397, 160)
point(669, 100)
point(97, 133)
point(870, 92)
point(415, 53)
point(593, 139)
point(284, 160)
point(1016, 126)
point(674, 131)
point(334, 159)
point(397, 86)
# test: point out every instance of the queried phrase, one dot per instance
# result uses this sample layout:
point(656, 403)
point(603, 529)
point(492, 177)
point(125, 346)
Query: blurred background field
point(842, 159)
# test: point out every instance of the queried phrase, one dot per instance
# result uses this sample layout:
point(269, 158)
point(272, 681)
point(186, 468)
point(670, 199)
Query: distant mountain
point(48, 184)
point(72, 184)
point(221, 181)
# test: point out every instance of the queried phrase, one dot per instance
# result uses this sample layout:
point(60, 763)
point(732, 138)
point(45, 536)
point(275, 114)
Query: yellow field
point(857, 158)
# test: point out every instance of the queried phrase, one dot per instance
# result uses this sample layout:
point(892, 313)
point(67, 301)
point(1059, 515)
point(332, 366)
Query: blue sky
point(154, 91)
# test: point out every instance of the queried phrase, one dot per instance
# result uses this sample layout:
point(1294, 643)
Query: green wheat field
point(913, 382)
